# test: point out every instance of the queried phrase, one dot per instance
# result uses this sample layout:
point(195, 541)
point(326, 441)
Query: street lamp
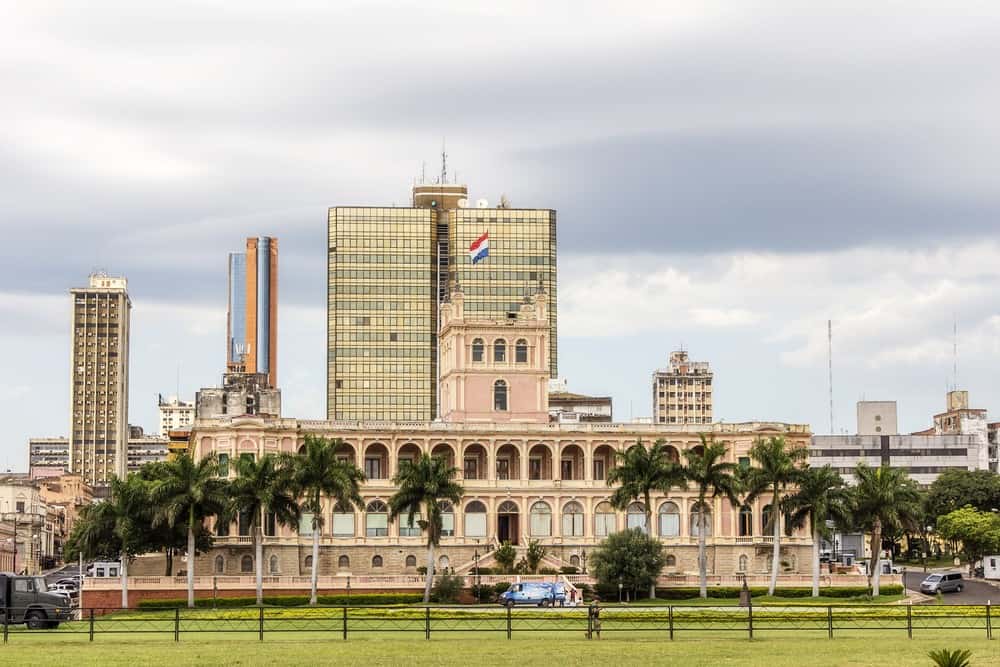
point(475, 557)
point(619, 591)
point(583, 560)
point(348, 589)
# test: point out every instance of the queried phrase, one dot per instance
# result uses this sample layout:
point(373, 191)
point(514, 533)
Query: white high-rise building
point(175, 414)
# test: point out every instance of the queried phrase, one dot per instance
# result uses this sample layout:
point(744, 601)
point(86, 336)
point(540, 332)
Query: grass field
point(557, 649)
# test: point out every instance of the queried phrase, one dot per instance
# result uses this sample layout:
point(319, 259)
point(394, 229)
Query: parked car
point(947, 582)
point(69, 590)
point(69, 581)
point(542, 594)
point(27, 600)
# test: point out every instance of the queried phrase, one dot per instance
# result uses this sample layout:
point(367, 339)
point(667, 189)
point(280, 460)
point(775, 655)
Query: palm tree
point(778, 465)
point(422, 485)
point(188, 491)
point(639, 472)
point(263, 487)
point(711, 476)
point(316, 473)
point(820, 497)
point(884, 499)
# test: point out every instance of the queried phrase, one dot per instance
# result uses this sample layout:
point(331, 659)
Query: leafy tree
point(316, 473)
point(820, 496)
point(639, 472)
point(447, 588)
point(263, 487)
point(884, 498)
point(186, 493)
point(955, 488)
point(629, 557)
point(534, 555)
point(777, 467)
point(422, 485)
point(977, 532)
point(711, 476)
point(505, 555)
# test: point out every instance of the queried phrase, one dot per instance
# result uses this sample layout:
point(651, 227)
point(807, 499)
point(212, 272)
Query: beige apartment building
point(174, 414)
point(99, 359)
point(682, 392)
point(389, 268)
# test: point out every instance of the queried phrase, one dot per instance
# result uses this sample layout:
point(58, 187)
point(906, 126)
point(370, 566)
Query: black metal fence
point(667, 622)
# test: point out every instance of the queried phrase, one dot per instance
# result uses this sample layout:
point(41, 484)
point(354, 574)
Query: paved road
point(973, 591)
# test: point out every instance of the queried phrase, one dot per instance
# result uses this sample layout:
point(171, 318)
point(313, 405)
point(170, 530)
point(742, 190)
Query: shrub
point(547, 570)
point(720, 592)
point(504, 556)
point(500, 587)
point(569, 569)
point(447, 588)
point(288, 600)
point(630, 557)
point(534, 555)
point(483, 571)
point(947, 658)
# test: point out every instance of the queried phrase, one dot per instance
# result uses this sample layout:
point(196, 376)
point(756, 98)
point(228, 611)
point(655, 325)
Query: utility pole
point(829, 340)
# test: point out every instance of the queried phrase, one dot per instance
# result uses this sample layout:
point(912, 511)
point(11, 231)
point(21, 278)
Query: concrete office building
point(569, 407)
point(47, 457)
point(174, 414)
point(252, 321)
point(144, 448)
point(877, 418)
point(99, 363)
point(682, 392)
point(240, 394)
point(388, 270)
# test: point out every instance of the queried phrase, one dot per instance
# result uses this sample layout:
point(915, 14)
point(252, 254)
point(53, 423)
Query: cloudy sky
point(728, 176)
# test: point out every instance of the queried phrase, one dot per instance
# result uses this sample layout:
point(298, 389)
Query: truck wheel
point(35, 620)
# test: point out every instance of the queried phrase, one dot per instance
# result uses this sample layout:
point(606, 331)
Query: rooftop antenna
point(423, 172)
point(444, 163)
point(954, 352)
point(829, 341)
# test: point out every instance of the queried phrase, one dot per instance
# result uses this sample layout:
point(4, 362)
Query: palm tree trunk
point(702, 561)
point(876, 555)
point(314, 575)
point(649, 531)
point(124, 569)
point(815, 561)
point(776, 550)
point(190, 568)
point(430, 571)
point(258, 543)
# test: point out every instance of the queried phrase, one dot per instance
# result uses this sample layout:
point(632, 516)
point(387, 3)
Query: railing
point(652, 622)
point(388, 581)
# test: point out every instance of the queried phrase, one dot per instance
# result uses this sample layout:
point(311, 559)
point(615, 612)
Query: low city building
point(240, 394)
point(47, 457)
point(143, 448)
point(174, 414)
point(37, 530)
point(568, 407)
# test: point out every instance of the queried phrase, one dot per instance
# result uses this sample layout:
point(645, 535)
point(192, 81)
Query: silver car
point(948, 582)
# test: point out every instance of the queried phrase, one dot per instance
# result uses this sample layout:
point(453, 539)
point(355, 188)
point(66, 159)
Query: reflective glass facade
point(237, 321)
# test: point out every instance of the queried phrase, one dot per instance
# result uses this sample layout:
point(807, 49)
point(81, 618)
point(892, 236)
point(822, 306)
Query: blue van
point(542, 594)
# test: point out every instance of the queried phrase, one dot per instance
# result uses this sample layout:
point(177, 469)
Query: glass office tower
point(252, 323)
point(389, 267)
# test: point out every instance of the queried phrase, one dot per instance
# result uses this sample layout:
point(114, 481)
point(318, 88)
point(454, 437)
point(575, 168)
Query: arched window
point(500, 395)
point(272, 564)
point(670, 520)
point(221, 528)
point(521, 351)
point(376, 561)
point(477, 349)
point(223, 465)
point(541, 519)
point(246, 564)
point(701, 515)
point(499, 350)
point(572, 521)
point(306, 523)
point(605, 521)
point(411, 561)
point(444, 563)
point(766, 527)
point(574, 560)
point(409, 528)
point(746, 521)
point(220, 564)
point(475, 519)
point(376, 519)
point(671, 560)
point(447, 518)
point(343, 520)
point(343, 562)
point(635, 517)
point(743, 563)
point(308, 563)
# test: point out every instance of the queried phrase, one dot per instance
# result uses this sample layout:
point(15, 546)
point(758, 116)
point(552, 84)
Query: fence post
point(91, 624)
point(829, 621)
point(177, 624)
point(909, 621)
point(590, 622)
point(989, 623)
point(427, 622)
point(345, 623)
point(670, 618)
point(508, 622)
point(261, 626)
point(750, 618)
point(6, 620)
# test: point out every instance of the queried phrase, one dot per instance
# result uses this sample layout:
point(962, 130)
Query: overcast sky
point(728, 176)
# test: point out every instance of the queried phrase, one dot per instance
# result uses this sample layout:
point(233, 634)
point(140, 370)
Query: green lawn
point(877, 650)
point(764, 600)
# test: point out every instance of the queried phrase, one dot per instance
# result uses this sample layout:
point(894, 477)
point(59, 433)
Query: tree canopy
point(629, 557)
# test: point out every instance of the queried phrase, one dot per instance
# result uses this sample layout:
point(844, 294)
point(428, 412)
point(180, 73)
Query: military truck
point(26, 599)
